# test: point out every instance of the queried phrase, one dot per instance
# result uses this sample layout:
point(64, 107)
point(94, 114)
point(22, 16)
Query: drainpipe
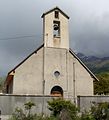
point(43, 82)
point(45, 37)
point(67, 69)
point(43, 68)
point(43, 103)
point(74, 84)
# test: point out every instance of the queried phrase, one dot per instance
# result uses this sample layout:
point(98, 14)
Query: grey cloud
point(92, 38)
point(89, 27)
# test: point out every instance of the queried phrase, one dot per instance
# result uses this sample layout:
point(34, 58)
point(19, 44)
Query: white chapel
point(53, 69)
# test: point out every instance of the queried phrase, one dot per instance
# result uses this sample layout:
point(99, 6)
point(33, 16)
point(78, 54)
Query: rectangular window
point(56, 14)
point(56, 28)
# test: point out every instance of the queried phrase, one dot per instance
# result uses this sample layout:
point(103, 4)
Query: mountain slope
point(95, 64)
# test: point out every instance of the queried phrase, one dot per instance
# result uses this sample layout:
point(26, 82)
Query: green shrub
point(87, 116)
point(102, 86)
point(20, 114)
point(100, 111)
point(63, 108)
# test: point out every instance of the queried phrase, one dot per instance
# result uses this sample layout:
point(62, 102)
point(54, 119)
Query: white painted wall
point(83, 80)
point(28, 76)
point(48, 31)
point(55, 60)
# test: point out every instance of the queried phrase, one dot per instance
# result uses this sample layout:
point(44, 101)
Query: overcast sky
point(21, 27)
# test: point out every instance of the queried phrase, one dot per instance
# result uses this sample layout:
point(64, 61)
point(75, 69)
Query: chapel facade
point(53, 69)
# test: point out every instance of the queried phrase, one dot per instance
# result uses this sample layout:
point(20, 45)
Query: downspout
point(67, 68)
point(43, 81)
point(43, 84)
point(74, 84)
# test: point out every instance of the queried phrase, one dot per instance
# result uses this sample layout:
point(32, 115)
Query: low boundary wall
point(85, 102)
point(8, 103)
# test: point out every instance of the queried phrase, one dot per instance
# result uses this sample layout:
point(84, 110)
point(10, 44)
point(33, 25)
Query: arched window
point(57, 91)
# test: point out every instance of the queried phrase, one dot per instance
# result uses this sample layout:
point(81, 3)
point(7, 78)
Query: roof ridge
point(53, 10)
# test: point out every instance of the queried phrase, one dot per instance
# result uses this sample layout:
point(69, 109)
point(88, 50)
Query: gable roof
point(55, 8)
point(93, 76)
point(70, 50)
point(26, 58)
point(8, 78)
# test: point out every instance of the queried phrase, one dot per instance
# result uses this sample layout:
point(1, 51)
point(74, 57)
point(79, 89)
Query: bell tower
point(55, 29)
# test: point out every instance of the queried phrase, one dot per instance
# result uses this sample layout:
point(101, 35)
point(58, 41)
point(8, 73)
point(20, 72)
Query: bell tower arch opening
point(55, 29)
point(57, 91)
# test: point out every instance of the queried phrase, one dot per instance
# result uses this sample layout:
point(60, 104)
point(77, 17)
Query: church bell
point(56, 27)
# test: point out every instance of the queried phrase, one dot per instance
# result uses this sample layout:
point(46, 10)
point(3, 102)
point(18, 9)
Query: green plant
point(63, 108)
point(100, 111)
point(28, 107)
point(20, 114)
point(87, 116)
point(102, 86)
point(46, 118)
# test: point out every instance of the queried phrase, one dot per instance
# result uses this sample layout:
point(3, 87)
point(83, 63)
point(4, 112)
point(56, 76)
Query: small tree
point(100, 111)
point(18, 114)
point(102, 86)
point(60, 107)
point(21, 114)
point(28, 107)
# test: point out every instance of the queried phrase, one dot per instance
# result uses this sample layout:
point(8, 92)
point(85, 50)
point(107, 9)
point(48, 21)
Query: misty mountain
point(95, 64)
